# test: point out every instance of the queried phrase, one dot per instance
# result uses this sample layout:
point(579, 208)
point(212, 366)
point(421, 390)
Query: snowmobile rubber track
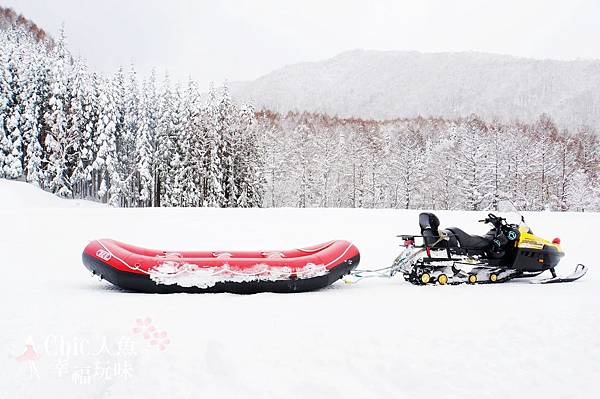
point(460, 276)
point(415, 277)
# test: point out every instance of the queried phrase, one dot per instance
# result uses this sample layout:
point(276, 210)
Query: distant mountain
point(391, 84)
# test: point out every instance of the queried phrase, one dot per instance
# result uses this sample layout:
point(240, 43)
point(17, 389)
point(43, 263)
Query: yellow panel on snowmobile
point(531, 241)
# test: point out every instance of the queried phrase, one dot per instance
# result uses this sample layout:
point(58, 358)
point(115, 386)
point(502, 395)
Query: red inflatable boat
point(147, 270)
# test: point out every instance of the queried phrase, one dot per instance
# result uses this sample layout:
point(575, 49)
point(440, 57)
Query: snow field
point(377, 338)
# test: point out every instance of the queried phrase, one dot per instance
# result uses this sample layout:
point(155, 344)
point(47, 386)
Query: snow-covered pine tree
point(11, 140)
point(5, 96)
point(127, 146)
point(214, 195)
point(35, 83)
point(76, 127)
point(249, 159)
point(173, 182)
point(57, 142)
point(163, 151)
point(119, 96)
point(191, 172)
point(229, 146)
point(106, 158)
point(89, 138)
point(144, 143)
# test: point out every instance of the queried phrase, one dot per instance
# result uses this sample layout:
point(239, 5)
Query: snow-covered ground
point(377, 338)
point(17, 194)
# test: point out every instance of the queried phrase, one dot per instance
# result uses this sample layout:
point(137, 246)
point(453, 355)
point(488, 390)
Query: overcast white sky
point(244, 39)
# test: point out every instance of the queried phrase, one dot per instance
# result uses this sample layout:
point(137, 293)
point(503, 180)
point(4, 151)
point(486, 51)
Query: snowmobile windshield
point(508, 210)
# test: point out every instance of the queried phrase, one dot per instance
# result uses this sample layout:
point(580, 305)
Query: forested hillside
point(381, 85)
point(115, 139)
point(152, 142)
point(9, 19)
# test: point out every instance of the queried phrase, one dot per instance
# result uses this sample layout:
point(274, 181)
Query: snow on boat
point(146, 270)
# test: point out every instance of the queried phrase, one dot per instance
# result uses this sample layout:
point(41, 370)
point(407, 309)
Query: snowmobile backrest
point(429, 221)
point(429, 228)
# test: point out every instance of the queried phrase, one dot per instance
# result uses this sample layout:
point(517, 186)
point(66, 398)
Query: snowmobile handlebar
point(493, 219)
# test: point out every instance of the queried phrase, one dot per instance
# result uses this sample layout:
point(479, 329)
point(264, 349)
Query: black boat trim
point(142, 283)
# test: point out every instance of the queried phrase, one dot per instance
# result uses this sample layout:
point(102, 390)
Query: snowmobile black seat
point(467, 241)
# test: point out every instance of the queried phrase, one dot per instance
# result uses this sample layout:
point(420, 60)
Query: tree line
point(131, 142)
point(427, 163)
point(113, 139)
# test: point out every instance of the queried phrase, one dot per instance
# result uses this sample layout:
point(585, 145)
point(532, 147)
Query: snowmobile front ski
point(579, 272)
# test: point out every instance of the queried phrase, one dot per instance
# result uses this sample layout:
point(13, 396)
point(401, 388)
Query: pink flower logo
point(160, 339)
point(148, 331)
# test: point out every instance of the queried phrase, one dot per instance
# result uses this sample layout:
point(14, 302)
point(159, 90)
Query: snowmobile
point(452, 256)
